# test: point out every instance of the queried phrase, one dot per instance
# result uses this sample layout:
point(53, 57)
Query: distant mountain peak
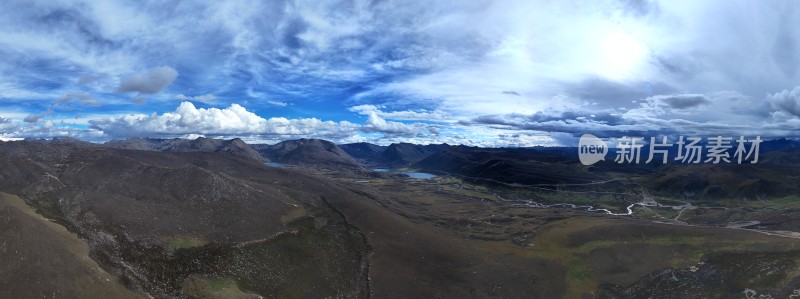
point(305, 151)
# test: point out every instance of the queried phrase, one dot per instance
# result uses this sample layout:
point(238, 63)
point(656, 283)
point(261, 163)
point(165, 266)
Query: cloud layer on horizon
point(235, 120)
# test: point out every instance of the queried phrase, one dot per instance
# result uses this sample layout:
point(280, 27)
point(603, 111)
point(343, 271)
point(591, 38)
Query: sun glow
point(622, 55)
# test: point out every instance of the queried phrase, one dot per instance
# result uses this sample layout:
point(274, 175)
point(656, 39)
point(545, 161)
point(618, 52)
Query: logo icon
point(591, 149)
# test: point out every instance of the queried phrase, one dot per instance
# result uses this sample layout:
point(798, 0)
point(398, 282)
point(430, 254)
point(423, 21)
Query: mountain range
point(175, 218)
point(234, 146)
point(506, 166)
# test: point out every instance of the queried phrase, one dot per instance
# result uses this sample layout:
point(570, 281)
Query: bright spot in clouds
point(622, 55)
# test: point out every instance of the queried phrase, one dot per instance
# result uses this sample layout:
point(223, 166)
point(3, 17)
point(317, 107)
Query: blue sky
point(487, 73)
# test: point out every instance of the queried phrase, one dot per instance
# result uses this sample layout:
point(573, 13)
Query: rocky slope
point(234, 146)
point(156, 219)
point(309, 152)
point(367, 153)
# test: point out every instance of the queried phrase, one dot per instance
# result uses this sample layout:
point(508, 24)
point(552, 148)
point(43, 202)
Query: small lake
point(413, 175)
point(419, 175)
point(274, 164)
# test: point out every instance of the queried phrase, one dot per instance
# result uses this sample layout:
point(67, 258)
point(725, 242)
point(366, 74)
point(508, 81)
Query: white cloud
point(45, 129)
point(277, 103)
point(233, 120)
point(529, 47)
point(153, 81)
point(206, 98)
point(375, 123)
point(7, 125)
point(13, 90)
point(310, 127)
point(465, 58)
point(186, 119)
point(193, 136)
point(786, 100)
point(399, 115)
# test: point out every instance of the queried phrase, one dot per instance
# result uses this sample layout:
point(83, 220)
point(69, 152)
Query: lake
point(274, 164)
point(419, 175)
point(413, 175)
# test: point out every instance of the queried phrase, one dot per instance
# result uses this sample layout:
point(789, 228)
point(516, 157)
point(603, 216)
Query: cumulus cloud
point(11, 130)
point(786, 100)
point(375, 123)
point(7, 125)
point(150, 82)
point(234, 120)
point(186, 119)
point(206, 98)
point(310, 127)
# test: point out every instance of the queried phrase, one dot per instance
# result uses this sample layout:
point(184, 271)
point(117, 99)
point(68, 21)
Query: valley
point(307, 219)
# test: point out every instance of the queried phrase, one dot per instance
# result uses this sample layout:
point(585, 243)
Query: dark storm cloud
point(34, 118)
point(572, 122)
point(615, 94)
point(668, 115)
point(683, 101)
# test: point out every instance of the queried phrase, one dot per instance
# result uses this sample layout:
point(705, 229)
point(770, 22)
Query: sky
point(473, 72)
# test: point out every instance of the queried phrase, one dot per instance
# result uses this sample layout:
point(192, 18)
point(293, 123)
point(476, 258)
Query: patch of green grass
point(679, 239)
point(667, 213)
point(220, 284)
point(213, 287)
point(300, 265)
point(658, 214)
point(791, 201)
point(786, 202)
point(577, 270)
point(185, 243)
